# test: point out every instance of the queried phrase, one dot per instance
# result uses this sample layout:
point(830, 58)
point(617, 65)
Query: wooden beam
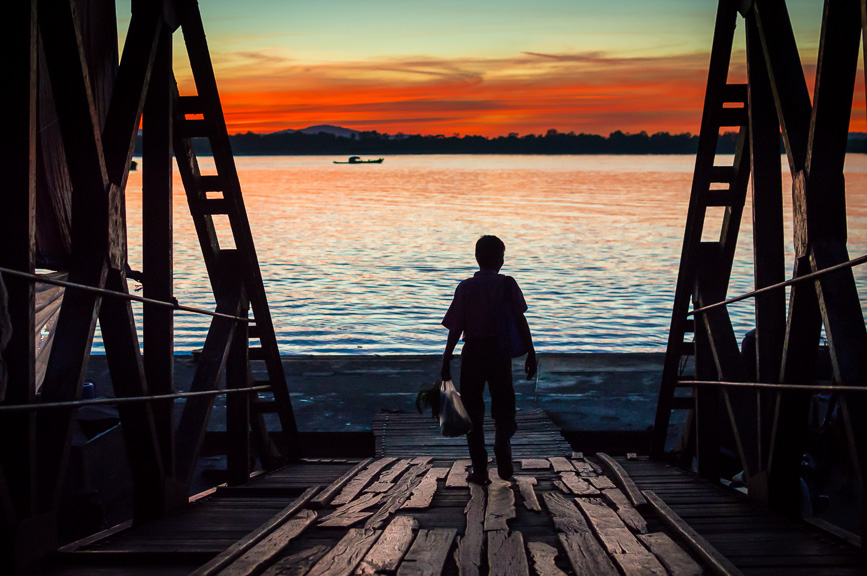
point(240, 547)
point(79, 127)
point(127, 375)
point(131, 86)
point(768, 253)
point(158, 245)
point(238, 405)
point(789, 87)
point(17, 237)
point(194, 419)
point(717, 564)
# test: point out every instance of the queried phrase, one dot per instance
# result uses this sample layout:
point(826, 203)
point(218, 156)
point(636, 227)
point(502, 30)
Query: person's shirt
point(480, 302)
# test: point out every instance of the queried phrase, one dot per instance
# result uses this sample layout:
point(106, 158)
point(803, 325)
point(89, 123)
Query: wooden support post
point(769, 262)
point(197, 410)
point(238, 405)
point(157, 244)
point(127, 376)
point(79, 127)
point(791, 97)
point(17, 238)
point(707, 411)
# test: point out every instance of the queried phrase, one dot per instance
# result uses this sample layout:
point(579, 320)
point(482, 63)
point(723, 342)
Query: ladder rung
point(735, 93)
point(689, 325)
point(718, 198)
point(252, 330)
point(682, 403)
point(687, 349)
point(193, 128)
point(190, 105)
point(733, 117)
point(220, 206)
point(211, 183)
point(722, 174)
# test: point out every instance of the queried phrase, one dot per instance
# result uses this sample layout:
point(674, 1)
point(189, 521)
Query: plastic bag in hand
point(454, 420)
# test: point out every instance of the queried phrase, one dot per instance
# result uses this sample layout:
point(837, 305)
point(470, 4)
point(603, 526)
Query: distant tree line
point(372, 143)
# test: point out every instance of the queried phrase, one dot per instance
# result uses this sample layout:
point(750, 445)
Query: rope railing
point(769, 386)
point(805, 278)
point(127, 400)
point(111, 293)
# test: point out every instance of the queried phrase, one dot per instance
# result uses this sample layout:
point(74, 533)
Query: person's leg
point(503, 412)
point(472, 388)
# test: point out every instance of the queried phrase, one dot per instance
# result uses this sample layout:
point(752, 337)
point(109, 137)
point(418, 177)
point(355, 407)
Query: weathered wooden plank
point(241, 546)
point(349, 514)
point(601, 482)
point(346, 554)
point(577, 455)
point(265, 551)
point(567, 518)
point(501, 504)
point(672, 556)
point(395, 498)
point(428, 553)
point(297, 564)
point(421, 460)
point(625, 510)
point(622, 478)
point(389, 477)
point(561, 487)
point(632, 557)
point(469, 552)
point(506, 556)
point(525, 485)
point(458, 474)
point(361, 480)
point(579, 486)
point(324, 498)
point(390, 548)
point(423, 494)
point(535, 464)
point(584, 468)
point(709, 555)
point(542, 556)
point(586, 555)
point(561, 464)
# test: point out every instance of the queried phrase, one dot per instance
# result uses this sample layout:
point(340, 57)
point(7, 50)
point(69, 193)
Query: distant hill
point(319, 129)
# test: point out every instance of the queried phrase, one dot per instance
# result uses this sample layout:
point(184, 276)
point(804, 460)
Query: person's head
point(490, 251)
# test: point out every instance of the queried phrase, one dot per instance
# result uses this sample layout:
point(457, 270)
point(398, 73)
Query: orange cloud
point(529, 93)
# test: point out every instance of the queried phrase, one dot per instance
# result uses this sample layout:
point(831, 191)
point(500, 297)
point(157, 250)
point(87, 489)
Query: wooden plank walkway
point(560, 515)
point(755, 540)
point(403, 435)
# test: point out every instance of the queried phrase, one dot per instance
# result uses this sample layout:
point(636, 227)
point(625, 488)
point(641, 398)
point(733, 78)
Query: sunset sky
point(470, 67)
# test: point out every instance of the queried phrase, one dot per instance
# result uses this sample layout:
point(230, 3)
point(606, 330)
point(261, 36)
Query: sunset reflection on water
point(365, 259)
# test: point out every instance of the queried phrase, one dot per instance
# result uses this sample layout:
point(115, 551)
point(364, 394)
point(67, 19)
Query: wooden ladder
point(234, 272)
point(705, 267)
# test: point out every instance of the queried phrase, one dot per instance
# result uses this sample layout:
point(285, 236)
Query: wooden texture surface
point(428, 553)
point(525, 485)
point(388, 551)
point(542, 559)
point(672, 556)
point(501, 506)
point(506, 554)
point(345, 556)
point(469, 552)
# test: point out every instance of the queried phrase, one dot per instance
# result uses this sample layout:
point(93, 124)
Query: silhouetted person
point(480, 310)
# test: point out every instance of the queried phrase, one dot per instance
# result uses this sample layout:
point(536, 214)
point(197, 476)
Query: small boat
point(358, 160)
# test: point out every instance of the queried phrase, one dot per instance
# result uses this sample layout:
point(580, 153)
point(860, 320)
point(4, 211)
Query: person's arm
point(451, 342)
point(530, 363)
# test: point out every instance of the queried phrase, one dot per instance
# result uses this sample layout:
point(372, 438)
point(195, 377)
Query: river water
point(364, 259)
